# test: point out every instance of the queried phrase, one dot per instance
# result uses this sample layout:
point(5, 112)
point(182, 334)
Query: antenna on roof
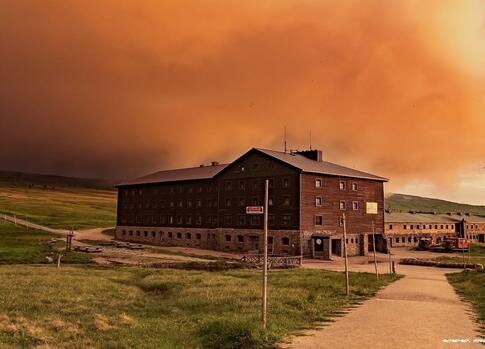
point(285, 139)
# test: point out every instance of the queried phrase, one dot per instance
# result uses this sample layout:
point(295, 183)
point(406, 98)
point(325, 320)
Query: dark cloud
point(118, 88)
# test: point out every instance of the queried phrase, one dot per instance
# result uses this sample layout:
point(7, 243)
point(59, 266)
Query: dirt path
point(418, 311)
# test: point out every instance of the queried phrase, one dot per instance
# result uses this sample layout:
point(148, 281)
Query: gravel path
point(421, 310)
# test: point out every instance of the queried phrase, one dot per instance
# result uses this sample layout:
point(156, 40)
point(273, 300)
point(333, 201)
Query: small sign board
point(371, 207)
point(254, 209)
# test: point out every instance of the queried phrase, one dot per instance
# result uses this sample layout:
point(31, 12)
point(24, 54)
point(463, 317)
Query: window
point(397, 240)
point(189, 203)
point(153, 234)
point(318, 220)
point(286, 219)
point(189, 219)
point(228, 186)
point(355, 205)
point(242, 203)
point(137, 233)
point(412, 226)
point(228, 238)
point(198, 220)
point(179, 235)
point(342, 205)
point(198, 236)
point(270, 240)
point(318, 201)
point(254, 219)
point(270, 201)
point(227, 219)
point(341, 221)
point(271, 219)
point(170, 234)
point(198, 202)
point(409, 239)
point(285, 183)
point(404, 226)
point(255, 201)
point(354, 186)
point(124, 231)
point(242, 185)
point(228, 202)
point(270, 183)
point(286, 201)
point(172, 204)
point(318, 183)
point(181, 204)
point(179, 220)
point(188, 236)
point(390, 226)
point(240, 238)
point(342, 185)
point(241, 219)
point(417, 227)
point(352, 240)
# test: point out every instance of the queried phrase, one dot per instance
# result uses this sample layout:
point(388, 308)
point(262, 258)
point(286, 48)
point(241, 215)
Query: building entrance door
point(318, 248)
point(337, 247)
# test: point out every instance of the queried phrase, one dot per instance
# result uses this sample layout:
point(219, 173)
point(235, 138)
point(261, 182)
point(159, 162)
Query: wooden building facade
point(205, 206)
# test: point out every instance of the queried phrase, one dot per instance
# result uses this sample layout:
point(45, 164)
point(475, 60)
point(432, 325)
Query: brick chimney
point(313, 154)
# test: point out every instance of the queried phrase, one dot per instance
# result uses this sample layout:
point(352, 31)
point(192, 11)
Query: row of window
point(342, 204)
point(472, 226)
point(210, 203)
point(285, 220)
point(285, 241)
point(229, 186)
point(425, 226)
point(342, 185)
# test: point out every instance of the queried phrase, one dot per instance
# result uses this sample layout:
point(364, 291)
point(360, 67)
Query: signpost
point(255, 210)
point(371, 208)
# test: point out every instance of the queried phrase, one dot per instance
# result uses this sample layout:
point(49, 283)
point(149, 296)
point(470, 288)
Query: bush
point(235, 335)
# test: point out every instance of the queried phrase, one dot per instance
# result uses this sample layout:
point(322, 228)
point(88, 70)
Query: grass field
point(58, 204)
point(80, 307)
point(471, 285)
point(22, 245)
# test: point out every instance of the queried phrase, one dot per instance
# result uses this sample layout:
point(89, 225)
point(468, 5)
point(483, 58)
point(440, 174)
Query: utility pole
point(265, 255)
point(347, 287)
point(389, 255)
point(374, 248)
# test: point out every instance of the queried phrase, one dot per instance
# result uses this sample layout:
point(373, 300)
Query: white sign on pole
point(254, 209)
point(371, 207)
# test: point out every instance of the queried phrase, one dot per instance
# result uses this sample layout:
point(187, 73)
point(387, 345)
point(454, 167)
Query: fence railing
point(274, 261)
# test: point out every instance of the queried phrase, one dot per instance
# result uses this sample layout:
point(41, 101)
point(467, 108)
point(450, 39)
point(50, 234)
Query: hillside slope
point(410, 202)
point(58, 202)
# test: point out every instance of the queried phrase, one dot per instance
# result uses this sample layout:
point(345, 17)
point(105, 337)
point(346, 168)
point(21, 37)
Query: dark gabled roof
point(324, 167)
point(183, 174)
point(297, 161)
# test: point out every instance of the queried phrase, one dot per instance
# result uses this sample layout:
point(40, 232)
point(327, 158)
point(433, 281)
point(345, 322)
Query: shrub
point(235, 335)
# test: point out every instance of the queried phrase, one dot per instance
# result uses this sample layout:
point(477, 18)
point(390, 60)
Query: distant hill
point(416, 203)
point(41, 181)
point(57, 201)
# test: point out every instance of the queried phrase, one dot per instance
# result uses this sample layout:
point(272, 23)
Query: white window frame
point(355, 205)
point(340, 205)
point(316, 201)
point(318, 180)
point(342, 187)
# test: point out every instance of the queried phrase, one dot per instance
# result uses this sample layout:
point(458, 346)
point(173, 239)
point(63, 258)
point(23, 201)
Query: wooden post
point(347, 286)
point(389, 255)
point(374, 248)
point(265, 256)
point(59, 260)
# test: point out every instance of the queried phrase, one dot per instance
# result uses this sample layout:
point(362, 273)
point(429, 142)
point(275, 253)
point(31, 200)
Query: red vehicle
point(456, 244)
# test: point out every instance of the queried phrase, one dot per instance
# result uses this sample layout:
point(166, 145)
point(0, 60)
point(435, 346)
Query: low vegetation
point(21, 245)
point(417, 203)
point(476, 255)
point(80, 307)
point(57, 202)
point(471, 285)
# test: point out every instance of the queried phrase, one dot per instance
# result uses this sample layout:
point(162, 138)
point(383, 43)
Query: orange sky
point(118, 88)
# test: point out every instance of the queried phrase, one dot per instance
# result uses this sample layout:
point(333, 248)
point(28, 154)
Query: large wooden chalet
point(205, 206)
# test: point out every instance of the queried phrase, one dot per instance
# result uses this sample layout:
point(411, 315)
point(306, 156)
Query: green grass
point(60, 206)
point(22, 245)
point(471, 285)
point(79, 307)
point(110, 232)
point(417, 203)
